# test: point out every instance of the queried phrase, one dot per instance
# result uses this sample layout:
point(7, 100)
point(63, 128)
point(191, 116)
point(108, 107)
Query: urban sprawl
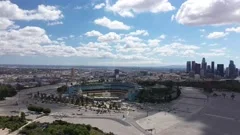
point(120, 100)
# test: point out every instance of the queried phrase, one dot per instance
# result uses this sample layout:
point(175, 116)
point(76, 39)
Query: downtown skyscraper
point(204, 64)
point(188, 66)
point(232, 70)
point(212, 67)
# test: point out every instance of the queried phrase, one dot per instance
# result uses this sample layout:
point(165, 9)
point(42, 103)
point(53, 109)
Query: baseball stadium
point(126, 91)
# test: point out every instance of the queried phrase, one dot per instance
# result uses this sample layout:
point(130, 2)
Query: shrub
point(22, 116)
point(35, 108)
point(46, 111)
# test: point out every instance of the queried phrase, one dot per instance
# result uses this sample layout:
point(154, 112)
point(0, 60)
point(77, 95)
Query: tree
point(7, 91)
point(23, 116)
point(62, 89)
point(46, 111)
point(35, 108)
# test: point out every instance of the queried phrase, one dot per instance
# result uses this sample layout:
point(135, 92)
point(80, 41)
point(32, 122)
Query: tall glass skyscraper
point(193, 66)
point(232, 69)
point(212, 67)
point(188, 66)
point(220, 69)
point(204, 64)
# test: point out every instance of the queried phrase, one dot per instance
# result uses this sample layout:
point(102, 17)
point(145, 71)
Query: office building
point(232, 70)
point(212, 67)
point(116, 72)
point(220, 70)
point(202, 73)
point(204, 64)
point(197, 68)
point(227, 72)
point(188, 68)
point(193, 66)
point(209, 69)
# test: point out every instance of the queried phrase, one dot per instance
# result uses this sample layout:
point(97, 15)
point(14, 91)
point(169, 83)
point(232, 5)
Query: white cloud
point(135, 57)
point(127, 8)
point(153, 42)
point(216, 35)
point(209, 12)
point(13, 12)
point(24, 41)
point(172, 17)
point(214, 52)
point(99, 6)
point(202, 30)
point(115, 25)
point(109, 37)
point(54, 23)
point(71, 36)
point(93, 33)
point(5, 23)
point(176, 49)
point(34, 41)
point(162, 36)
point(215, 44)
point(132, 44)
point(139, 32)
point(77, 7)
point(219, 50)
point(125, 14)
point(179, 40)
point(131, 38)
point(62, 38)
point(237, 29)
point(104, 45)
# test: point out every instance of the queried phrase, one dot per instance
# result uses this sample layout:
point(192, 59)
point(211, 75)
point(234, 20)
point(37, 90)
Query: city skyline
point(116, 33)
point(205, 69)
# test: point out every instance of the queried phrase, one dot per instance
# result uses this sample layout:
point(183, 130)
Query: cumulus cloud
point(127, 8)
point(94, 45)
point(176, 49)
point(237, 29)
point(54, 23)
point(109, 37)
point(139, 32)
point(162, 36)
point(99, 6)
point(131, 38)
point(209, 12)
point(214, 52)
point(5, 23)
point(153, 42)
point(132, 47)
point(93, 33)
point(11, 11)
point(114, 25)
point(216, 35)
point(62, 38)
point(34, 41)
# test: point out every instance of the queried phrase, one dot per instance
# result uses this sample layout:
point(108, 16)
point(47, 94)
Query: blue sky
point(119, 32)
